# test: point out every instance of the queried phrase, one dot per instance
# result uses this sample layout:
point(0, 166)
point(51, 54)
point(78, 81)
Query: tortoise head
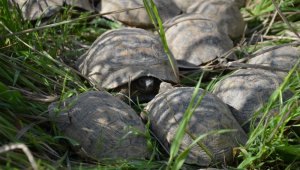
point(142, 89)
point(145, 84)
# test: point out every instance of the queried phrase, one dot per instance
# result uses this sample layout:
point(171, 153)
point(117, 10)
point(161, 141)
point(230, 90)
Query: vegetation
point(36, 60)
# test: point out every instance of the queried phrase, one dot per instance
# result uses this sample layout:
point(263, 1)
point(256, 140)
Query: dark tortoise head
point(145, 84)
point(142, 89)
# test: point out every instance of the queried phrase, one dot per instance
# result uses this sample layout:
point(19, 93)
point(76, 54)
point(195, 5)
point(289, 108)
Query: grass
point(35, 70)
point(273, 134)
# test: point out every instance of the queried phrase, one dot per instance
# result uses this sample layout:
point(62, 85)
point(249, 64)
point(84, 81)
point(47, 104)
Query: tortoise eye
point(145, 83)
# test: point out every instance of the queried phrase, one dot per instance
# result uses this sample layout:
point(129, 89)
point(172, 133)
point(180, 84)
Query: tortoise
point(196, 40)
point(281, 58)
point(166, 110)
point(128, 60)
point(34, 9)
point(227, 15)
point(246, 90)
point(184, 5)
point(104, 126)
point(138, 17)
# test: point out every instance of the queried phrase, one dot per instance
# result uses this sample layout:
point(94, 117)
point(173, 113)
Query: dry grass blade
point(270, 37)
point(10, 147)
point(284, 19)
point(246, 58)
point(255, 66)
point(48, 56)
point(272, 21)
point(35, 96)
point(66, 22)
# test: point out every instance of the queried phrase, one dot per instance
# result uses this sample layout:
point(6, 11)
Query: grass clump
point(274, 140)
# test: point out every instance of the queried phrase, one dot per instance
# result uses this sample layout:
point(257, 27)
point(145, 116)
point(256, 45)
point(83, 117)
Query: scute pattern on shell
point(102, 125)
point(138, 17)
point(227, 15)
point(34, 9)
point(282, 58)
point(247, 90)
point(166, 110)
point(195, 39)
point(122, 55)
point(185, 4)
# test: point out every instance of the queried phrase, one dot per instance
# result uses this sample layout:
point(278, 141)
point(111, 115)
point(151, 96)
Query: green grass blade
point(262, 139)
point(155, 18)
point(182, 156)
point(183, 124)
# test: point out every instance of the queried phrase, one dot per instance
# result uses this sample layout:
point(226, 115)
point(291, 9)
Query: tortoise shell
point(104, 126)
point(225, 13)
point(119, 57)
point(138, 17)
point(196, 40)
point(281, 58)
point(246, 90)
point(167, 109)
point(184, 5)
point(34, 9)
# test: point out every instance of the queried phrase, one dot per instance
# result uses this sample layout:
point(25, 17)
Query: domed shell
point(103, 125)
point(120, 56)
point(185, 4)
point(34, 9)
point(282, 58)
point(246, 90)
point(138, 17)
point(196, 40)
point(225, 13)
point(167, 109)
